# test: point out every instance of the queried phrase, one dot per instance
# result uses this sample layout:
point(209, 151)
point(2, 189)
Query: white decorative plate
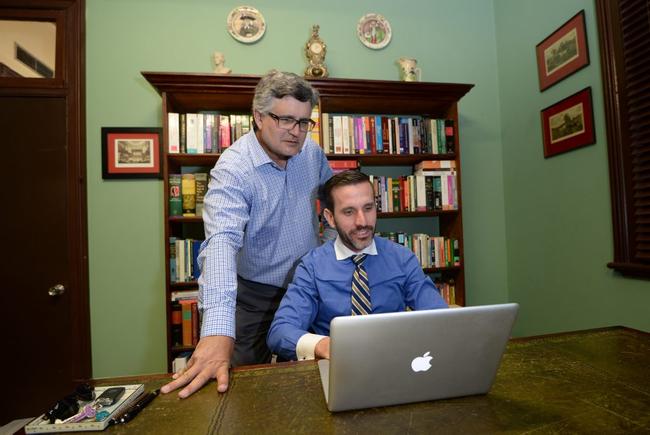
point(246, 24)
point(374, 31)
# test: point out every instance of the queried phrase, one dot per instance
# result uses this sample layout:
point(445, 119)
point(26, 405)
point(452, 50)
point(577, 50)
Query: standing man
point(260, 218)
point(356, 274)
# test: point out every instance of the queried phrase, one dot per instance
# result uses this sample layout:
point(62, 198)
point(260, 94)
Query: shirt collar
point(343, 252)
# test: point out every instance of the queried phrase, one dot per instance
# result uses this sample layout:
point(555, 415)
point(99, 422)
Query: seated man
point(357, 273)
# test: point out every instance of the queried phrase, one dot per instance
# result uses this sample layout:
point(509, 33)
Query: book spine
point(450, 141)
point(397, 206)
point(180, 261)
point(379, 135)
point(188, 189)
point(421, 193)
point(373, 134)
point(325, 130)
point(174, 132)
point(175, 201)
point(186, 310)
point(338, 134)
point(208, 120)
point(177, 324)
point(315, 132)
point(345, 133)
point(224, 131)
point(173, 274)
point(182, 129)
point(200, 135)
point(216, 146)
point(195, 323)
point(440, 124)
point(196, 248)
point(201, 180)
point(192, 140)
point(430, 192)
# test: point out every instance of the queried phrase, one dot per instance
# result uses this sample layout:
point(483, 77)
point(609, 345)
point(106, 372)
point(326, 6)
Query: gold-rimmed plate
point(374, 31)
point(246, 24)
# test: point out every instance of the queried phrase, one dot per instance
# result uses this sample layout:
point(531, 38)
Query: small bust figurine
point(219, 61)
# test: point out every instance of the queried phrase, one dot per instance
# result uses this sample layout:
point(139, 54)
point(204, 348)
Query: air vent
point(31, 62)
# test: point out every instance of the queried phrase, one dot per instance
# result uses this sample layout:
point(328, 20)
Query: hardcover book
point(201, 179)
point(175, 201)
point(173, 124)
point(188, 189)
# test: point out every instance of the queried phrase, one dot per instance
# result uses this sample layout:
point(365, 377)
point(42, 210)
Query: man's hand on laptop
point(211, 359)
point(322, 350)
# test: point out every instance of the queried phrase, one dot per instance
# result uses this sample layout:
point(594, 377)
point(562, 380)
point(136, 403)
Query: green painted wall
point(558, 213)
point(453, 42)
point(536, 231)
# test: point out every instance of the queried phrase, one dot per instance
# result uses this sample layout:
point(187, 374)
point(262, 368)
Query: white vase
point(408, 70)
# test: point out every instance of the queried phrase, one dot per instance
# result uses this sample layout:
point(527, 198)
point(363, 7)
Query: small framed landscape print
point(563, 52)
point(131, 152)
point(568, 124)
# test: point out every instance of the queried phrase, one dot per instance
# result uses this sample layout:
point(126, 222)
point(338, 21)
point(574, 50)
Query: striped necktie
point(360, 289)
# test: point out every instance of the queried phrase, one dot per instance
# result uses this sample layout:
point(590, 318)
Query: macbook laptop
point(413, 356)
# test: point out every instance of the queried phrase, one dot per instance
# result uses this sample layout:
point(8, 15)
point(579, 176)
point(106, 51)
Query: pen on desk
point(137, 407)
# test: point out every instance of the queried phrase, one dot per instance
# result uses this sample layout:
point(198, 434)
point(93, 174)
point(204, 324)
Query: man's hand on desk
point(211, 359)
point(322, 350)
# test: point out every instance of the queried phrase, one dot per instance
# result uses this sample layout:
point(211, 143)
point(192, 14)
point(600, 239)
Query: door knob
point(56, 290)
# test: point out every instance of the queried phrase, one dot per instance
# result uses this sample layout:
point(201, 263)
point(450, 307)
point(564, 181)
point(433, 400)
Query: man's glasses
point(288, 123)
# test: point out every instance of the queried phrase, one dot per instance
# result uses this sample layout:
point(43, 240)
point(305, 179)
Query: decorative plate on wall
point(246, 24)
point(374, 31)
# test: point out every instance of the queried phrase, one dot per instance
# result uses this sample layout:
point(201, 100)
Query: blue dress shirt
point(321, 290)
point(259, 220)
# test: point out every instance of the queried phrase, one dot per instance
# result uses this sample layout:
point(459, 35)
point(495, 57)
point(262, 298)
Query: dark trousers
point(256, 306)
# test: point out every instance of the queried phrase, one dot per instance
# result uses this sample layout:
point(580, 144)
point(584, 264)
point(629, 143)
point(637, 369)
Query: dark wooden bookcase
point(188, 93)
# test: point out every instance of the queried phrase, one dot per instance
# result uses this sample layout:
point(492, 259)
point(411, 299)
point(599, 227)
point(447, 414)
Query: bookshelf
point(192, 93)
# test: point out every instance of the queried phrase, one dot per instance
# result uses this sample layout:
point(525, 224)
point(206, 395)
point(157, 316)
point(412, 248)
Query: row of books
point(432, 187)
point(186, 193)
point(431, 251)
point(423, 191)
point(213, 132)
point(382, 134)
point(186, 324)
point(183, 259)
point(205, 132)
point(447, 290)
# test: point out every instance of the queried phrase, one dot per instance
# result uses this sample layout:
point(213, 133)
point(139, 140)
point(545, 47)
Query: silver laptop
point(393, 358)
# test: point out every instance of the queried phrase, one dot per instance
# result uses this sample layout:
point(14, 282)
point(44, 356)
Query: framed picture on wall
point(563, 52)
point(568, 124)
point(131, 152)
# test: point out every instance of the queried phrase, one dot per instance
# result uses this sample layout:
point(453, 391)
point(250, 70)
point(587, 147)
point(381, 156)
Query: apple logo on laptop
point(421, 363)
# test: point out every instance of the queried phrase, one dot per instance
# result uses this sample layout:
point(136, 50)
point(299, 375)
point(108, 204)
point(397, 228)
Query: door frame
point(69, 83)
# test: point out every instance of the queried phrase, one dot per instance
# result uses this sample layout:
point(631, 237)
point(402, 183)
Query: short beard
point(347, 241)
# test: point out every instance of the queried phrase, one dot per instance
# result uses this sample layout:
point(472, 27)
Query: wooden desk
point(585, 382)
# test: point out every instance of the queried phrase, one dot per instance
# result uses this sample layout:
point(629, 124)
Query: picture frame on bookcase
point(131, 152)
point(563, 52)
point(568, 124)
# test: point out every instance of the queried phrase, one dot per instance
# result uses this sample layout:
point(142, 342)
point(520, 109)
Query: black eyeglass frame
point(304, 125)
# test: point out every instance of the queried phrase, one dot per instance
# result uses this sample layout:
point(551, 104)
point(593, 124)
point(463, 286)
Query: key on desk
point(87, 411)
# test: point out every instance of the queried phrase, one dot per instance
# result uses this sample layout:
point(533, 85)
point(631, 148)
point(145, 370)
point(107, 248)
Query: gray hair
point(278, 84)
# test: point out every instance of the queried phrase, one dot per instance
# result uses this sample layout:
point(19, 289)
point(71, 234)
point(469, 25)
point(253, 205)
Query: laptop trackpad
point(324, 368)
